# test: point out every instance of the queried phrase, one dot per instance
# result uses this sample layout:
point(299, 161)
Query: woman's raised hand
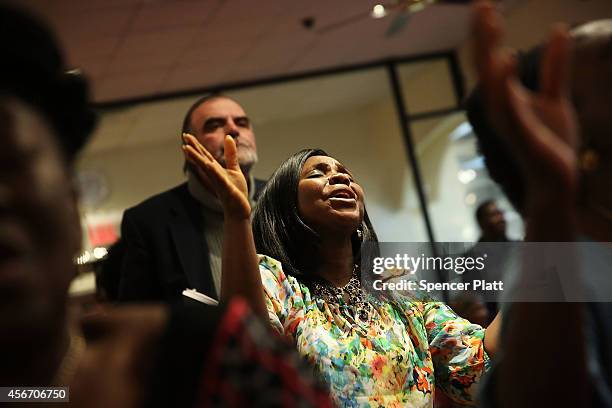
point(539, 127)
point(228, 183)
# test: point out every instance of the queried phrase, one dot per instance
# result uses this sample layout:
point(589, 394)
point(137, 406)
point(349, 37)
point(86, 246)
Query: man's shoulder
point(161, 202)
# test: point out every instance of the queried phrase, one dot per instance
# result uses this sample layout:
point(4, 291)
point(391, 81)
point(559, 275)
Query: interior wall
point(134, 174)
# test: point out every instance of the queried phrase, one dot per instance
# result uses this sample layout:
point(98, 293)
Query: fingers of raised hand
point(191, 140)
point(196, 158)
point(554, 69)
point(486, 35)
point(523, 115)
point(209, 170)
point(493, 63)
point(542, 131)
point(231, 154)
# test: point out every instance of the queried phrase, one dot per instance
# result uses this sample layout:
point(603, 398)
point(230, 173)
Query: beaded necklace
point(349, 295)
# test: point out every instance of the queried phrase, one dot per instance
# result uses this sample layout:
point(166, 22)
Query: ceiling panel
point(186, 77)
point(129, 85)
point(85, 24)
point(163, 15)
point(136, 48)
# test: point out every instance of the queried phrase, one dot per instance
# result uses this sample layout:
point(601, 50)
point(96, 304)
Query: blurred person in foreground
point(119, 357)
point(546, 138)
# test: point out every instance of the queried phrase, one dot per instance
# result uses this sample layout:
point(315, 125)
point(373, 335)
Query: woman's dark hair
point(279, 231)
point(33, 70)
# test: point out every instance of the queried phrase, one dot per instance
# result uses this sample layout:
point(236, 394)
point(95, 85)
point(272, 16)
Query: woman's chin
point(345, 220)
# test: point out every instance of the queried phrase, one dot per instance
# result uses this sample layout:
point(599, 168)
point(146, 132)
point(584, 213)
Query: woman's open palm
point(228, 183)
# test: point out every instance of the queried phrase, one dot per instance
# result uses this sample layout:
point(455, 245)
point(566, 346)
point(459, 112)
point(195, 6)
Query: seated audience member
point(172, 241)
point(123, 357)
point(546, 141)
point(309, 225)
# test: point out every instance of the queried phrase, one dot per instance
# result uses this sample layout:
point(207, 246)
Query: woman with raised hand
point(308, 227)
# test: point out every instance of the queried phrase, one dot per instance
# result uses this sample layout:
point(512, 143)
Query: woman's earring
point(589, 161)
point(359, 234)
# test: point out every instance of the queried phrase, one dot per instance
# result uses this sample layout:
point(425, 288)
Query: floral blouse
point(397, 359)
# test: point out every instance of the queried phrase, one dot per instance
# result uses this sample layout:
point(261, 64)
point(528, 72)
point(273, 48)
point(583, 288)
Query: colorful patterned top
point(406, 349)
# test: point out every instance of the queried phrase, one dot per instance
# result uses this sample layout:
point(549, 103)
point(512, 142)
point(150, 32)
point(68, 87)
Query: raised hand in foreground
point(539, 127)
point(540, 130)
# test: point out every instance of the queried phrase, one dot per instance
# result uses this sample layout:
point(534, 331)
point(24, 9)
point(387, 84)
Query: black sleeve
point(184, 350)
point(139, 280)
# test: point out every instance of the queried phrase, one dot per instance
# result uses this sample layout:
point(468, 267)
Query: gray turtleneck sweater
point(212, 213)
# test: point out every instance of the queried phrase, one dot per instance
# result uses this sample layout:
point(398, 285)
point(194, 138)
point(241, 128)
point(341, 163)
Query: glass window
point(427, 86)
point(455, 179)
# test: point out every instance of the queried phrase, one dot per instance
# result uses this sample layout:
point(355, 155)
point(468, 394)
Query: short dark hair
point(33, 70)
point(500, 163)
point(187, 119)
point(481, 210)
point(278, 229)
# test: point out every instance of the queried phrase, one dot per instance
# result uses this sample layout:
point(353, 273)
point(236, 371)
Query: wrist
point(233, 217)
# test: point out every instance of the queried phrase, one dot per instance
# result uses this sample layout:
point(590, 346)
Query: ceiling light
point(378, 11)
point(466, 176)
point(100, 252)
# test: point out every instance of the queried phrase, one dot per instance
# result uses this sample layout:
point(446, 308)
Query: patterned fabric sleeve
point(247, 366)
point(284, 297)
point(457, 350)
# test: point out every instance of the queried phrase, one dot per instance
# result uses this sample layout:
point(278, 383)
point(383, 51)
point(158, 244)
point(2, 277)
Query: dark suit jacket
point(165, 249)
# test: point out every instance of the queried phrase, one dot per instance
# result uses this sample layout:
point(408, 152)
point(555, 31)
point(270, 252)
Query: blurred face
point(214, 119)
point(329, 199)
point(39, 230)
point(493, 220)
